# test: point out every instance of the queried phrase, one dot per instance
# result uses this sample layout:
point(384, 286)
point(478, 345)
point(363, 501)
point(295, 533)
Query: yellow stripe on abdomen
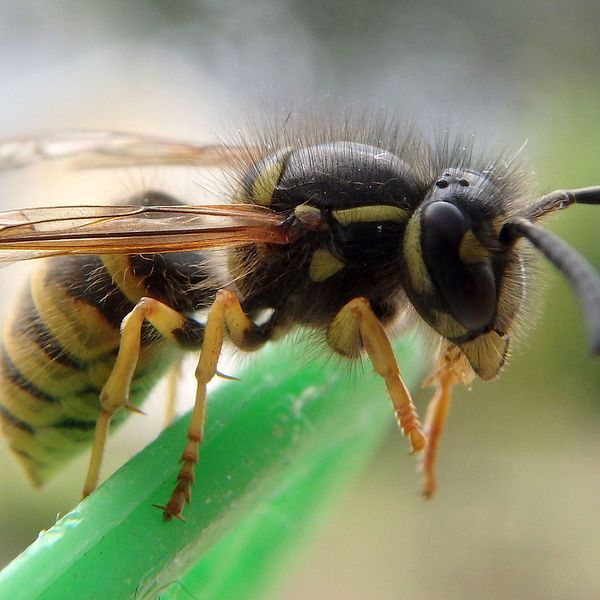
point(59, 346)
point(76, 325)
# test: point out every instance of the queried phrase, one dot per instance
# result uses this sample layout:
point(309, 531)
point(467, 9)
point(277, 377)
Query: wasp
point(345, 232)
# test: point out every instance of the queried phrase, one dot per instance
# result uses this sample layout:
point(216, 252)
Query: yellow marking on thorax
point(265, 181)
point(311, 217)
point(303, 210)
point(119, 268)
point(323, 265)
point(370, 214)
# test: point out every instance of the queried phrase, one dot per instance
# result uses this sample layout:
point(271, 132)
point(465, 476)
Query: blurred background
point(517, 513)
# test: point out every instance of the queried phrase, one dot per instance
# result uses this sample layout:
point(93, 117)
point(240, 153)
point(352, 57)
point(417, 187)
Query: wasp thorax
point(345, 207)
point(456, 267)
point(332, 175)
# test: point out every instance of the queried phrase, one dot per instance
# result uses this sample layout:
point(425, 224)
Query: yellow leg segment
point(225, 311)
point(172, 380)
point(450, 372)
point(115, 393)
point(358, 315)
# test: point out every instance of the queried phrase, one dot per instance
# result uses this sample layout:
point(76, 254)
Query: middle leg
point(225, 313)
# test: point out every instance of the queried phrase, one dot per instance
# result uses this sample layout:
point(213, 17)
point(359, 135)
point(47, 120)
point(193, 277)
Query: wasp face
point(461, 279)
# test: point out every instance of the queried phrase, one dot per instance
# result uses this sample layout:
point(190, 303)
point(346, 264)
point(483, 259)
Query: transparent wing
point(97, 149)
point(49, 231)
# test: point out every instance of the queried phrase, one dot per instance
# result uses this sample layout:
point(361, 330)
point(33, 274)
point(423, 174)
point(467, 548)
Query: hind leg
point(178, 329)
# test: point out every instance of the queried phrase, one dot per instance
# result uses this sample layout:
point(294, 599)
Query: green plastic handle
point(278, 443)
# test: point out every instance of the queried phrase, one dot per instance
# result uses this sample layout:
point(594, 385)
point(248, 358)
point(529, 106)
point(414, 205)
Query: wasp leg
point(225, 311)
point(172, 380)
point(174, 327)
point(448, 374)
point(356, 325)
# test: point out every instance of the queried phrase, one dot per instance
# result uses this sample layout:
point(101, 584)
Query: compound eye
point(468, 289)
point(442, 223)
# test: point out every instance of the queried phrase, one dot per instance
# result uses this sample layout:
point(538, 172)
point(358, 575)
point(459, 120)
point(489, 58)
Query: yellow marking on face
point(511, 295)
point(447, 325)
point(497, 223)
point(265, 181)
point(369, 214)
point(417, 270)
point(487, 353)
point(471, 250)
point(323, 265)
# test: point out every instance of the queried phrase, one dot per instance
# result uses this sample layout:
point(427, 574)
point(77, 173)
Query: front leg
point(356, 327)
point(451, 370)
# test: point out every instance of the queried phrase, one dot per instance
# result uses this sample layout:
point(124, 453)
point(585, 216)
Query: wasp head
point(465, 283)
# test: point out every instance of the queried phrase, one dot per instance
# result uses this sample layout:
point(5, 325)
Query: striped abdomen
point(61, 340)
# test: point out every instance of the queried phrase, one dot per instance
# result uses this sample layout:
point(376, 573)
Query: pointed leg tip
point(418, 441)
point(226, 376)
point(134, 409)
point(427, 494)
point(169, 514)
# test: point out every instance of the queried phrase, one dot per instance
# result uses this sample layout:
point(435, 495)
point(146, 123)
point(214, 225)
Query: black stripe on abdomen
point(14, 375)
point(9, 418)
point(31, 327)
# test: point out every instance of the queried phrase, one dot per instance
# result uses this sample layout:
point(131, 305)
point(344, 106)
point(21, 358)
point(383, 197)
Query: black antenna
point(587, 195)
point(580, 274)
